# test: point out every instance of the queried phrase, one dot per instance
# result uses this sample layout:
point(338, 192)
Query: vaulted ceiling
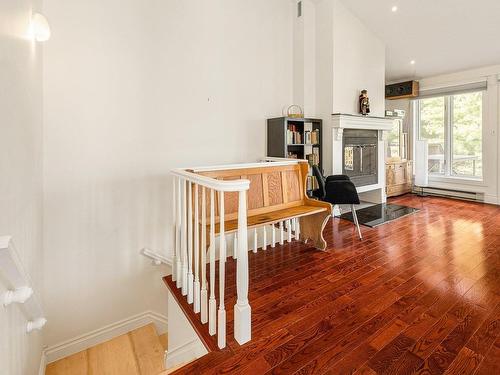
point(441, 36)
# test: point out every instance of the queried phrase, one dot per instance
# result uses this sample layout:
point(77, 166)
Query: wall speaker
point(401, 90)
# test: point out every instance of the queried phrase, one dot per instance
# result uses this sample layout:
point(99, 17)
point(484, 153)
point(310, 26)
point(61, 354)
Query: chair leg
point(355, 217)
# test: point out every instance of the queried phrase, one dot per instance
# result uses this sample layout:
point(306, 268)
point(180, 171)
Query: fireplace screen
point(360, 156)
point(349, 158)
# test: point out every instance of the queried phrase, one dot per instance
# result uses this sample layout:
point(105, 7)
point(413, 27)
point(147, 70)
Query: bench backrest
point(272, 188)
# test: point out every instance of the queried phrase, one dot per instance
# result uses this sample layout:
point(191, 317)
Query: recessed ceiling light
point(412, 62)
point(394, 8)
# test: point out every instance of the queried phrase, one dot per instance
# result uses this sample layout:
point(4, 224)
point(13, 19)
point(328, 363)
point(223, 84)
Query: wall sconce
point(40, 29)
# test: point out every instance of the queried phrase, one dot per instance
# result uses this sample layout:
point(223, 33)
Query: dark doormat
point(380, 214)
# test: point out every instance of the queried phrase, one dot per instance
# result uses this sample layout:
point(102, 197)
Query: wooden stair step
point(148, 350)
point(138, 352)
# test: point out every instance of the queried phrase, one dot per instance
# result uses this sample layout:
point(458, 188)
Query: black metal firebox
point(360, 156)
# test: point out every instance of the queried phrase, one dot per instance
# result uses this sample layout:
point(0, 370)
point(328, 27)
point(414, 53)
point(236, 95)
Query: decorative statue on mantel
point(364, 103)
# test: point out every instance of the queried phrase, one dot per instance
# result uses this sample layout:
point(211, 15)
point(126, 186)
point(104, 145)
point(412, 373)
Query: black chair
point(337, 189)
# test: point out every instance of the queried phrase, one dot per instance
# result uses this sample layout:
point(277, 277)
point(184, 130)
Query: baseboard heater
point(449, 193)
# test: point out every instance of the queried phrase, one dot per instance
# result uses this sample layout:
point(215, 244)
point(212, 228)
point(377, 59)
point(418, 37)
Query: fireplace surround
point(357, 150)
point(360, 155)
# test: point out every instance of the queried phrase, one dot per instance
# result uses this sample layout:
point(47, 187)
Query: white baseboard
point(184, 353)
point(492, 199)
point(85, 341)
point(43, 364)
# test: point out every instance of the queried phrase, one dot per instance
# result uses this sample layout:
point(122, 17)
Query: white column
point(281, 233)
point(255, 240)
point(174, 227)
point(235, 246)
point(242, 310)
point(203, 266)
point(297, 229)
point(212, 305)
point(221, 333)
point(184, 240)
point(196, 284)
point(264, 237)
point(190, 280)
point(178, 221)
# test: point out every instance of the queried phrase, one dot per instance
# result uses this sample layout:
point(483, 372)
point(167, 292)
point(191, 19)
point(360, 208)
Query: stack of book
point(293, 136)
point(313, 158)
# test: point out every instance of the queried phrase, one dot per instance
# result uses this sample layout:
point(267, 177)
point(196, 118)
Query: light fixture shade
point(40, 27)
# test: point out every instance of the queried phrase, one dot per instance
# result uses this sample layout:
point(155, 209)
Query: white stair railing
point(190, 258)
point(20, 290)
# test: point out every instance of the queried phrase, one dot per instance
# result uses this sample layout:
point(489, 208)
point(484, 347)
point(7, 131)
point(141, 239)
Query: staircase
point(138, 352)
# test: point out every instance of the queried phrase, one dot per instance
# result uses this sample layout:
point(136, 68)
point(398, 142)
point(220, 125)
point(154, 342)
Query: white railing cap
point(192, 174)
point(212, 183)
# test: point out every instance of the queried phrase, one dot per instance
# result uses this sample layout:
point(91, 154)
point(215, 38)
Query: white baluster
point(264, 237)
point(255, 240)
point(212, 305)
point(203, 293)
point(196, 284)
point(221, 334)
point(289, 230)
point(281, 233)
point(242, 310)
point(184, 240)
point(273, 236)
point(190, 244)
point(174, 227)
point(178, 247)
point(235, 246)
point(297, 229)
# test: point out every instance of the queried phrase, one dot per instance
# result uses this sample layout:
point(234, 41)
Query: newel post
point(242, 310)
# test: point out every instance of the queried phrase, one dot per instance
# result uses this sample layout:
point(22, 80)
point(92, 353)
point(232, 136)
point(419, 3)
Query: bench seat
point(272, 217)
point(277, 193)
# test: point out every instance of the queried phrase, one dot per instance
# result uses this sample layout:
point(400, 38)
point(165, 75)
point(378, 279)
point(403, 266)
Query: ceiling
point(441, 36)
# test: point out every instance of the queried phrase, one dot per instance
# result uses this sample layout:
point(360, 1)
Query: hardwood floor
point(138, 352)
point(418, 295)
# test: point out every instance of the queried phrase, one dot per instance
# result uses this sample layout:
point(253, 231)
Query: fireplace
point(360, 156)
point(357, 150)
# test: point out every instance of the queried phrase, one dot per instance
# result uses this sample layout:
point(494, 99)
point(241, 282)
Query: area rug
point(380, 214)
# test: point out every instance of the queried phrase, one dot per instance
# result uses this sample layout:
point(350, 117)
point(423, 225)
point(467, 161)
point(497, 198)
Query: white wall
point(20, 174)
point(132, 91)
point(184, 344)
point(335, 57)
point(358, 63)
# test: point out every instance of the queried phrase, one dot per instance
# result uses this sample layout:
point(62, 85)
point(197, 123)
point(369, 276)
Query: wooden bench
point(277, 193)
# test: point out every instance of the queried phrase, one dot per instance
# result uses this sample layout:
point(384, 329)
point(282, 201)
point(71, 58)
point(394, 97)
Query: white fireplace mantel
point(342, 121)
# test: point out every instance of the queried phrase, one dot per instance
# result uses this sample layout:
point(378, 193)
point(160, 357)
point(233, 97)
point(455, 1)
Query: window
point(452, 125)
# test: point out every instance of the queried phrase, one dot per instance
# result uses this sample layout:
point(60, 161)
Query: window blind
point(453, 90)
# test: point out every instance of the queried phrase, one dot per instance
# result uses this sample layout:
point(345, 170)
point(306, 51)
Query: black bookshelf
point(280, 143)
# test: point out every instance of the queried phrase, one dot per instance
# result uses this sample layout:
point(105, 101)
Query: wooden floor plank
point(414, 292)
point(148, 350)
point(76, 364)
point(114, 357)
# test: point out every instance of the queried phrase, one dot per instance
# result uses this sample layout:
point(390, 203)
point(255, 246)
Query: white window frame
point(448, 138)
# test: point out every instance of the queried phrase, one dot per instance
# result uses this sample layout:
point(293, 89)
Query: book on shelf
point(292, 155)
point(311, 183)
point(313, 158)
point(315, 137)
point(293, 135)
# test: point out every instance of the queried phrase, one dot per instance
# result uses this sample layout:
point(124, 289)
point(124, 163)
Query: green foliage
point(466, 131)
